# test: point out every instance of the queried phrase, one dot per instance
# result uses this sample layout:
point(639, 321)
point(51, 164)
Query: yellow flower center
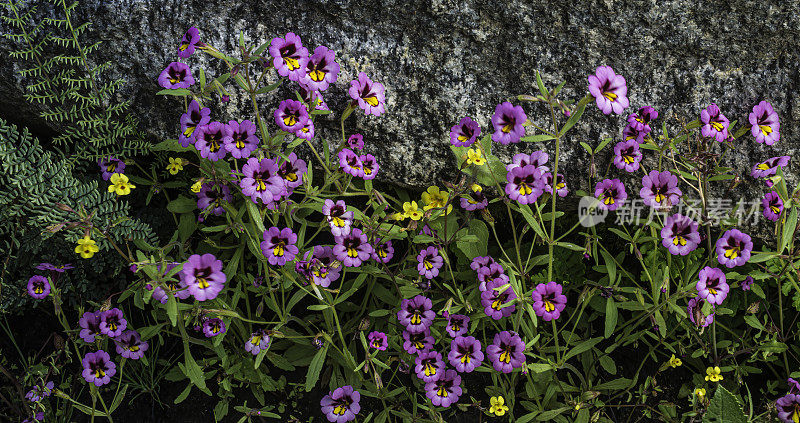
point(609, 95)
point(316, 75)
point(718, 126)
point(549, 306)
point(291, 63)
point(203, 283)
point(679, 240)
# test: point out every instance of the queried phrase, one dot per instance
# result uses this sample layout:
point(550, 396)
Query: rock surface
point(443, 59)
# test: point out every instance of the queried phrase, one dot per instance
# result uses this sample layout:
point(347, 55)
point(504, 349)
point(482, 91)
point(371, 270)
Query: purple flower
point(356, 141)
point(98, 368)
point(715, 124)
point(38, 287)
point(279, 245)
point(429, 262)
point(321, 69)
point(773, 206)
point(746, 284)
point(350, 163)
point(494, 301)
point(627, 155)
point(290, 58)
point(538, 159)
point(611, 194)
point(640, 121)
point(307, 131)
point(769, 167)
point(490, 273)
point(190, 39)
point(416, 343)
point(194, 117)
point(211, 196)
point(161, 294)
point(203, 276)
point(629, 133)
point(261, 180)
point(370, 96)
point(416, 314)
point(465, 354)
point(561, 185)
point(291, 115)
point(339, 219)
point(53, 268)
point(696, 315)
point(788, 407)
point(382, 252)
point(507, 122)
point(341, 405)
point(660, 189)
point(609, 90)
point(457, 325)
point(766, 127)
point(111, 165)
point(258, 341)
point(325, 272)
point(213, 327)
point(312, 98)
point(680, 235)
point(240, 138)
point(377, 340)
point(130, 345)
point(209, 141)
point(734, 248)
point(112, 323)
point(292, 170)
point(429, 366)
point(369, 166)
point(90, 326)
point(480, 262)
point(444, 391)
point(548, 301)
point(525, 184)
point(352, 249)
point(506, 352)
point(176, 75)
point(794, 386)
point(475, 199)
point(36, 418)
point(39, 393)
point(465, 132)
point(712, 286)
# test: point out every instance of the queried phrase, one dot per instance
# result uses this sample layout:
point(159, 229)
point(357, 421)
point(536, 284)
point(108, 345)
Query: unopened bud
point(364, 325)
point(64, 207)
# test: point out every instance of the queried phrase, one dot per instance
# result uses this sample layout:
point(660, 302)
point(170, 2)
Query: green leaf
point(88, 411)
point(577, 115)
point(255, 215)
point(172, 309)
point(315, 367)
point(725, 408)
point(193, 371)
point(540, 84)
point(118, 398)
point(259, 358)
point(611, 267)
point(169, 145)
point(551, 414)
point(608, 364)
point(582, 347)
point(180, 92)
point(611, 317)
point(613, 385)
point(182, 205)
point(537, 138)
point(788, 229)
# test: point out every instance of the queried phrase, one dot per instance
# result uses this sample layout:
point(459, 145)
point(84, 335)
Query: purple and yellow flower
point(90, 326)
point(213, 327)
point(480, 262)
point(211, 196)
point(640, 121)
point(111, 165)
point(416, 343)
point(525, 184)
point(660, 189)
point(465, 354)
point(766, 127)
point(112, 322)
point(788, 407)
point(715, 124)
point(321, 69)
point(475, 199)
point(261, 180)
point(291, 115)
point(773, 206)
point(341, 405)
point(548, 300)
point(350, 163)
point(680, 235)
point(444, 391)
point(457, 325)
point(188, 42)
point(429, 262)
point(712, 285)
point(733, 248)
point(629, 133)
point(746, 284)
point(325, 272)
point(312, 98)
point(465, 132)
point(209, 141)
point(176, 75)
point(40, 392)
point(352, 249)
point(561, 185)
point(290, 58)
point(339, 219)
point(292, 170)
point(429, 366)
point(369, 95)
point(98, 368)
point(38, 287)
point(506, 352)
point(279, 245)
point(369, 166)
point(203, 276)
point(194, 117)
point(627, 155)
point(769, 167)
point(307, 131)
point(240, 138)
point(490, 273)
point(382, 252)
point(611, 194)
point(356, 141)
point(161, 293)
point(130, 345)
point(416, 314)
point(609, 90)
point(53, 268)
point(507, 122)
point(538, 159)
point(258, 341)
point(696, 315)
point(495, 300)
point(378, 340)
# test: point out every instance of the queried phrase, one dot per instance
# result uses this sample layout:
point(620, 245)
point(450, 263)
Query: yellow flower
point(120, 185)
point(412, 210)
point(498, 406)
point(475, 157)
point(713, 374)
point(86, 246)
point(674, 361)
point(436, 199)
point(175, 165)
point(700, 393)
point(197, 186)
